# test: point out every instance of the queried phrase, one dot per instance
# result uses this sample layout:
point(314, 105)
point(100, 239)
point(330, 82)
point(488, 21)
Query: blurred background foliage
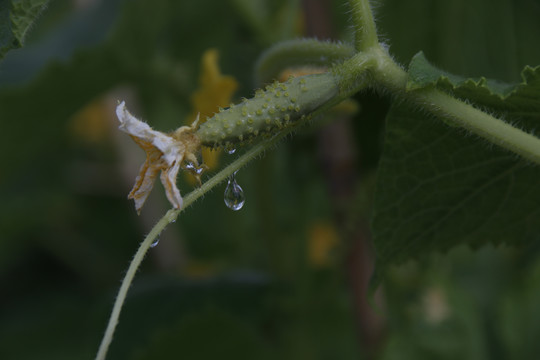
point(286, 276)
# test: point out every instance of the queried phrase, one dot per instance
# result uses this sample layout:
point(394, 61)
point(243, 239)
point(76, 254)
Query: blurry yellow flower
point(90, 124)
point(322, 240)
point(215, 91)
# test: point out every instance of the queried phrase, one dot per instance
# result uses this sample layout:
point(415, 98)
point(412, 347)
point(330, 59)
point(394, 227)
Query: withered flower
point(165, 153)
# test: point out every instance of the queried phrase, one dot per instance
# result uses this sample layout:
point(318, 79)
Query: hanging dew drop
point(231, 151)
point(155, 243)
point(234, 195)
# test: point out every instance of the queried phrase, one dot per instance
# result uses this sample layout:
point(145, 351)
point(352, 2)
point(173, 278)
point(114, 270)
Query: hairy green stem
point(364, 25)
point(172, 214)
point(168, 218)
point(355, 74)
point(128, 279)
point(389, 76)
point(299, 52)
point(482, 124)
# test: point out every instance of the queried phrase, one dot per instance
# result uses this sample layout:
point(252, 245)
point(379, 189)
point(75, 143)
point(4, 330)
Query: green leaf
point(483, 91)
point(438, 186)
point(23, 15)
point(16, 19)
point(7, 39)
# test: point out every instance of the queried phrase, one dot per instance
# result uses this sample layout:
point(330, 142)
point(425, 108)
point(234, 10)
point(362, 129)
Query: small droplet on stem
point(155, 243)
point(194, 169)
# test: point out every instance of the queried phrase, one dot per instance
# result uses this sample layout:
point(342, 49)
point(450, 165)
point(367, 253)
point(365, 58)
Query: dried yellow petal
point(164, 153)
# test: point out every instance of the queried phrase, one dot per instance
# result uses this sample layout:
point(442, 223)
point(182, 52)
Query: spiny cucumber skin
point(278, 106)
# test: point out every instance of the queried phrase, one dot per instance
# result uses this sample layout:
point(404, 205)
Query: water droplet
point(234, 195)
point(231, 151)
point(155, 243)
point(191, 167)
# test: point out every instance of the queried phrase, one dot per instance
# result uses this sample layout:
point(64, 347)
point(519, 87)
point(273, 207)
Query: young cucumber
point(278, 106)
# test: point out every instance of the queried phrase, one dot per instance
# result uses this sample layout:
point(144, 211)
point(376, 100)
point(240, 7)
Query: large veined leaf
point(16, 18)
point(439, 186)
point(486, 92)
